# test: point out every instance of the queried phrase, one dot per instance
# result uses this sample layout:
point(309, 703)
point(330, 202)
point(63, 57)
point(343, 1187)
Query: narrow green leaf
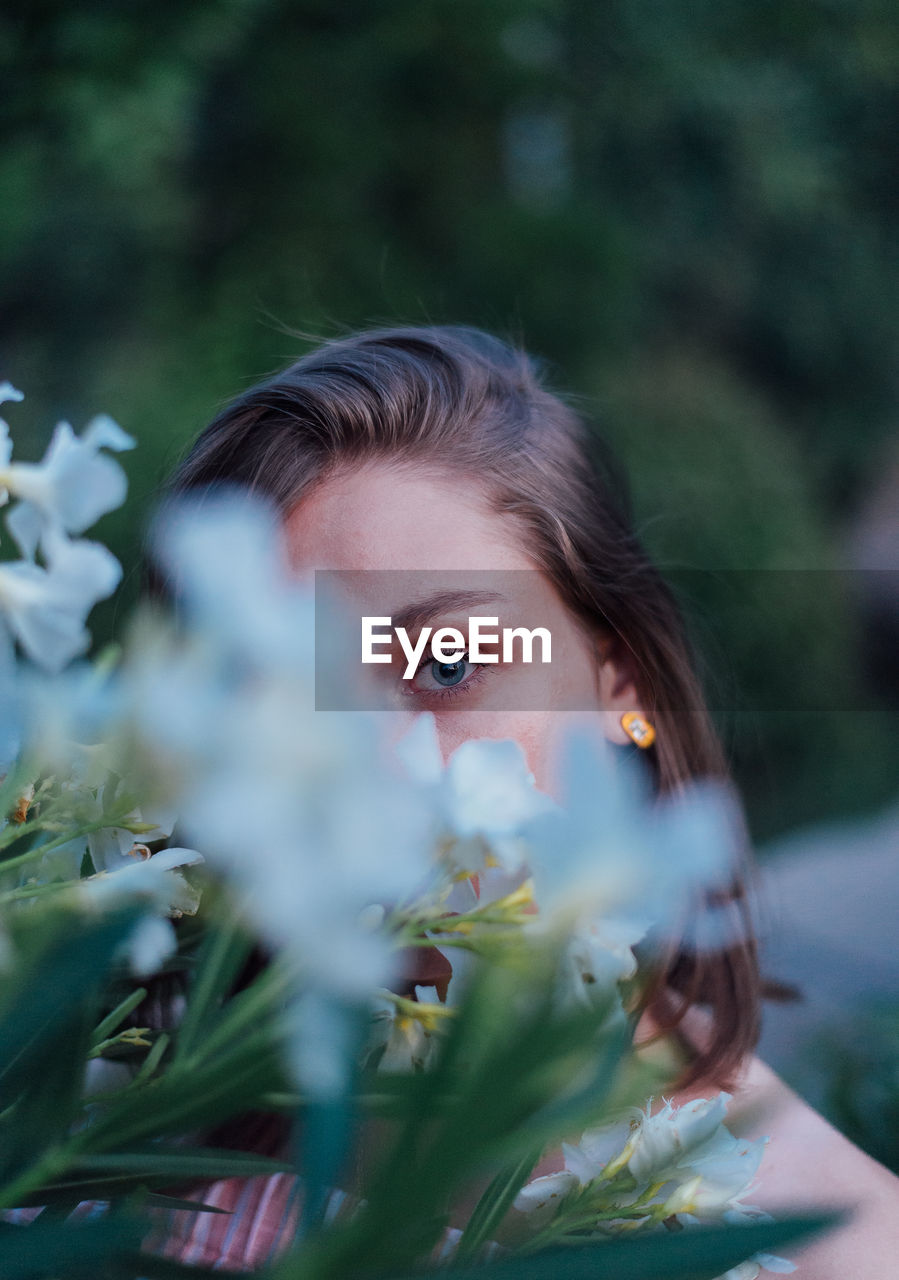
point(118, 1015)
point(494, 1204)
point(701, 1253)
point(199, 1162)
point(223, 952)
point(153, 1058)
point(184, 1099)
point(156, 1200)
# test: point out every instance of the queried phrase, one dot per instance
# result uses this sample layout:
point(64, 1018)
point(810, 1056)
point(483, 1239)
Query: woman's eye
point(434, 675)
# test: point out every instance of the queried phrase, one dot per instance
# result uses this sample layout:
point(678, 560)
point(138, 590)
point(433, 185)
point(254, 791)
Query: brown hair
point(465, 401)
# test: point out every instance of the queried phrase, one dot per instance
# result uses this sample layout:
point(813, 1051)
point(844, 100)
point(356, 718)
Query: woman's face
point(436, 533)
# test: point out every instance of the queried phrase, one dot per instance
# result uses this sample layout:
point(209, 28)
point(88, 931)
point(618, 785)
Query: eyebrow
point(422, 611)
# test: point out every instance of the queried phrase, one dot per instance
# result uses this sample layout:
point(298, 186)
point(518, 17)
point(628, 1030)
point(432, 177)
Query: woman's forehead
point(385, 516)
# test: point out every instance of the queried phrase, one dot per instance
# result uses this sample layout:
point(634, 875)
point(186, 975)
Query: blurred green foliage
point(684, 207)
point(862, 1094)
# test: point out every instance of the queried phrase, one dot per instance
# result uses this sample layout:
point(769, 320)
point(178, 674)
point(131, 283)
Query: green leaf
point(156, 1200)
point(150, 1266)
point(66, 1249)
point(113, 1175)
point(118, 1015)
point(701, 1253)
point(153, 1058)
point(491, 1097)
point(222, 954)
point(50, 1102)
point(199, 1162)
point(49, 996)
point(494, 1204)
point(112, 1188)
point(181, 1099)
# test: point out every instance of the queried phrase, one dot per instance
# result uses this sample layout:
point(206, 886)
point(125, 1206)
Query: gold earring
point(638, 729)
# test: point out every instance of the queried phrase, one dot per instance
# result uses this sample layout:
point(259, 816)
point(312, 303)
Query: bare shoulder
point(810, 1164)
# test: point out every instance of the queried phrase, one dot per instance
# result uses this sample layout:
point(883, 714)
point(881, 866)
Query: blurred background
point(687, 209)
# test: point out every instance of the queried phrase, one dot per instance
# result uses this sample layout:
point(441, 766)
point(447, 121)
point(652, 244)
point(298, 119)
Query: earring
point(638, 729)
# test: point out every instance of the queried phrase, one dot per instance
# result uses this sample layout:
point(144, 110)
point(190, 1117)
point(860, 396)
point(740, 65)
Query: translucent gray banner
point(779, 641)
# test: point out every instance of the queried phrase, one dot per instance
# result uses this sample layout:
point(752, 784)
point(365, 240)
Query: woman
point(437, 451)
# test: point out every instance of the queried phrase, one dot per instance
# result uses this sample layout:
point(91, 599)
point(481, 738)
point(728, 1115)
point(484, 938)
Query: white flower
point(406, 1035)
point(111, 847)
point(71, 487)
point(613, 852)
point(225, 556)
point(69, 721)
point(321, 1043)
point(157, 883)
point(62, 863)
point(7, 393)
point(149, 945)
point(491, 790)
point(584, 1162)
point(10, 713)
point(687, 1145)
point(541, 1197)
point(661, 1141)
point(724, 1167)
point(419, 751)
point(597, 1147)
point(772, 1262)
point(684, 1162)
point(45, 608)
point(157, 880)
point(309, 844)
point(690, 1147)
point(304, 812)
point(114, 847)
point(482, 798)
point(600, 954)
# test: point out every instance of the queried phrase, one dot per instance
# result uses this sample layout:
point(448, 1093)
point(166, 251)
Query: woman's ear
point(616, 687)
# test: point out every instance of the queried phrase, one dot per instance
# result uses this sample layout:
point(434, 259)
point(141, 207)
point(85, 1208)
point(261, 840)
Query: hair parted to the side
point(464, 401)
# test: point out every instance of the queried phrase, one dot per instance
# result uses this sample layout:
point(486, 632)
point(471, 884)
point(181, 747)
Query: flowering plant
point(176, 807)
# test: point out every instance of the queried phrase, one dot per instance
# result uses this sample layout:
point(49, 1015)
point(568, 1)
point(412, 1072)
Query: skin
point(431, 533)
point(409, 520)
